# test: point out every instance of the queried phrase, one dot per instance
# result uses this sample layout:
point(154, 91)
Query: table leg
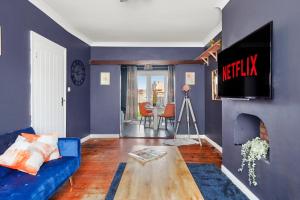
point(166, 123)
point(155, 119)
point(159, 122)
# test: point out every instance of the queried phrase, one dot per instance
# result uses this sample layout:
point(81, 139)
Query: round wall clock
point(77, 72)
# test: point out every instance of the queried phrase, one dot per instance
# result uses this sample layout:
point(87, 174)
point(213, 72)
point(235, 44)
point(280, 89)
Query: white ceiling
point(138, 22)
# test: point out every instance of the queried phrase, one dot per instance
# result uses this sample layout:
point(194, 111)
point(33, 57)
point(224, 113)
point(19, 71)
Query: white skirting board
point(107, 136)
point(118, 136)
point(214, 144)
point(239, 184)
point(218, 147)
point(84, 139)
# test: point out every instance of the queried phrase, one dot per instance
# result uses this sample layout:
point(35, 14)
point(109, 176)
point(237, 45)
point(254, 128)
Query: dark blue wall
point(105, 101)
point(197, 96)
point(17, 18)
point(278, 179)
point(105, 122)
point(213, 109)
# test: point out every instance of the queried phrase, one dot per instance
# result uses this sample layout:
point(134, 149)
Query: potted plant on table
point(154, 97)
point(251, 151)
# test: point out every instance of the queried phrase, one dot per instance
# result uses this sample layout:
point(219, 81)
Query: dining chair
point(169, 114)
point(145, 113)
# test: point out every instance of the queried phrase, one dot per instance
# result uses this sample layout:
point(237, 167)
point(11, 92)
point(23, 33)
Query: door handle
point(62, 101)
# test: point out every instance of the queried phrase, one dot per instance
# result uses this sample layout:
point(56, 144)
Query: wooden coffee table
point(166, 178)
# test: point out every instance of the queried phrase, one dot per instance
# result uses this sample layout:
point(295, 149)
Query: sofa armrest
point(69, 147)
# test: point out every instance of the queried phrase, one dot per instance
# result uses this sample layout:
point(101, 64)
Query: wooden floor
point(101, 157)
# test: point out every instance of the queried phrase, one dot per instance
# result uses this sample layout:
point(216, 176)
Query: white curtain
point(132, 94)
point(171, 77)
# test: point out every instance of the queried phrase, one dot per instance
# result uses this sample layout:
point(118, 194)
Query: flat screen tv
point(244, 69)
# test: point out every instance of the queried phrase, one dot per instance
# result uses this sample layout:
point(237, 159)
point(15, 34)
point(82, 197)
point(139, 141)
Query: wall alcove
point(247, 127)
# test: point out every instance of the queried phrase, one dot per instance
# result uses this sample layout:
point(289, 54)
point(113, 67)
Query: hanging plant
point(252, 151)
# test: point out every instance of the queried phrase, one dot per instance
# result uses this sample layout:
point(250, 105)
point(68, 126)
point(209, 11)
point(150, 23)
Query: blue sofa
point(16, 185)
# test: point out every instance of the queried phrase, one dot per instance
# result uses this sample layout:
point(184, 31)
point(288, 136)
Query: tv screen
point(244, 69)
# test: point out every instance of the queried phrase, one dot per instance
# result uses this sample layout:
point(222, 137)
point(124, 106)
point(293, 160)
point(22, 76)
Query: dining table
point(156, 110)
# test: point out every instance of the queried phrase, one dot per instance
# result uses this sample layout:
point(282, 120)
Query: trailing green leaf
point(252, 151)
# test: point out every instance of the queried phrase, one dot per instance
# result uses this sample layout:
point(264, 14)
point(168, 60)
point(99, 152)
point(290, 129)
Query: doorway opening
point(147, 101)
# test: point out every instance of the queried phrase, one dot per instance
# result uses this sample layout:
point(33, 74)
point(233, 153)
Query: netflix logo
point(245, 67)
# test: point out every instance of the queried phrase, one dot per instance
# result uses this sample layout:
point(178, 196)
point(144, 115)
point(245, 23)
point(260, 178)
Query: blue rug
point(213, 183)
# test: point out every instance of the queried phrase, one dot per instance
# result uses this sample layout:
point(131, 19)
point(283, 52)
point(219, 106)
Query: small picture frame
point(214, 85)
point(105, 78)
point(190, 78)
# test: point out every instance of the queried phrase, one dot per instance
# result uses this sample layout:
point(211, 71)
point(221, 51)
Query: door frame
point(33, 37)
point(146, 73)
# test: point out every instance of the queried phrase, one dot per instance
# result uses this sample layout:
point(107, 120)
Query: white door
point(48, 86)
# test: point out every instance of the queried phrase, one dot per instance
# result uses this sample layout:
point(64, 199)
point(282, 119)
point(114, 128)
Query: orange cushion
point(49, 139)
point(25, 156)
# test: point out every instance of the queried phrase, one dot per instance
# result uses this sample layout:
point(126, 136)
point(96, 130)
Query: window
point(152, 87)
point(142, 88)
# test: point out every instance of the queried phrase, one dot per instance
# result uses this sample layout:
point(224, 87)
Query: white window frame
point(148, 75)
